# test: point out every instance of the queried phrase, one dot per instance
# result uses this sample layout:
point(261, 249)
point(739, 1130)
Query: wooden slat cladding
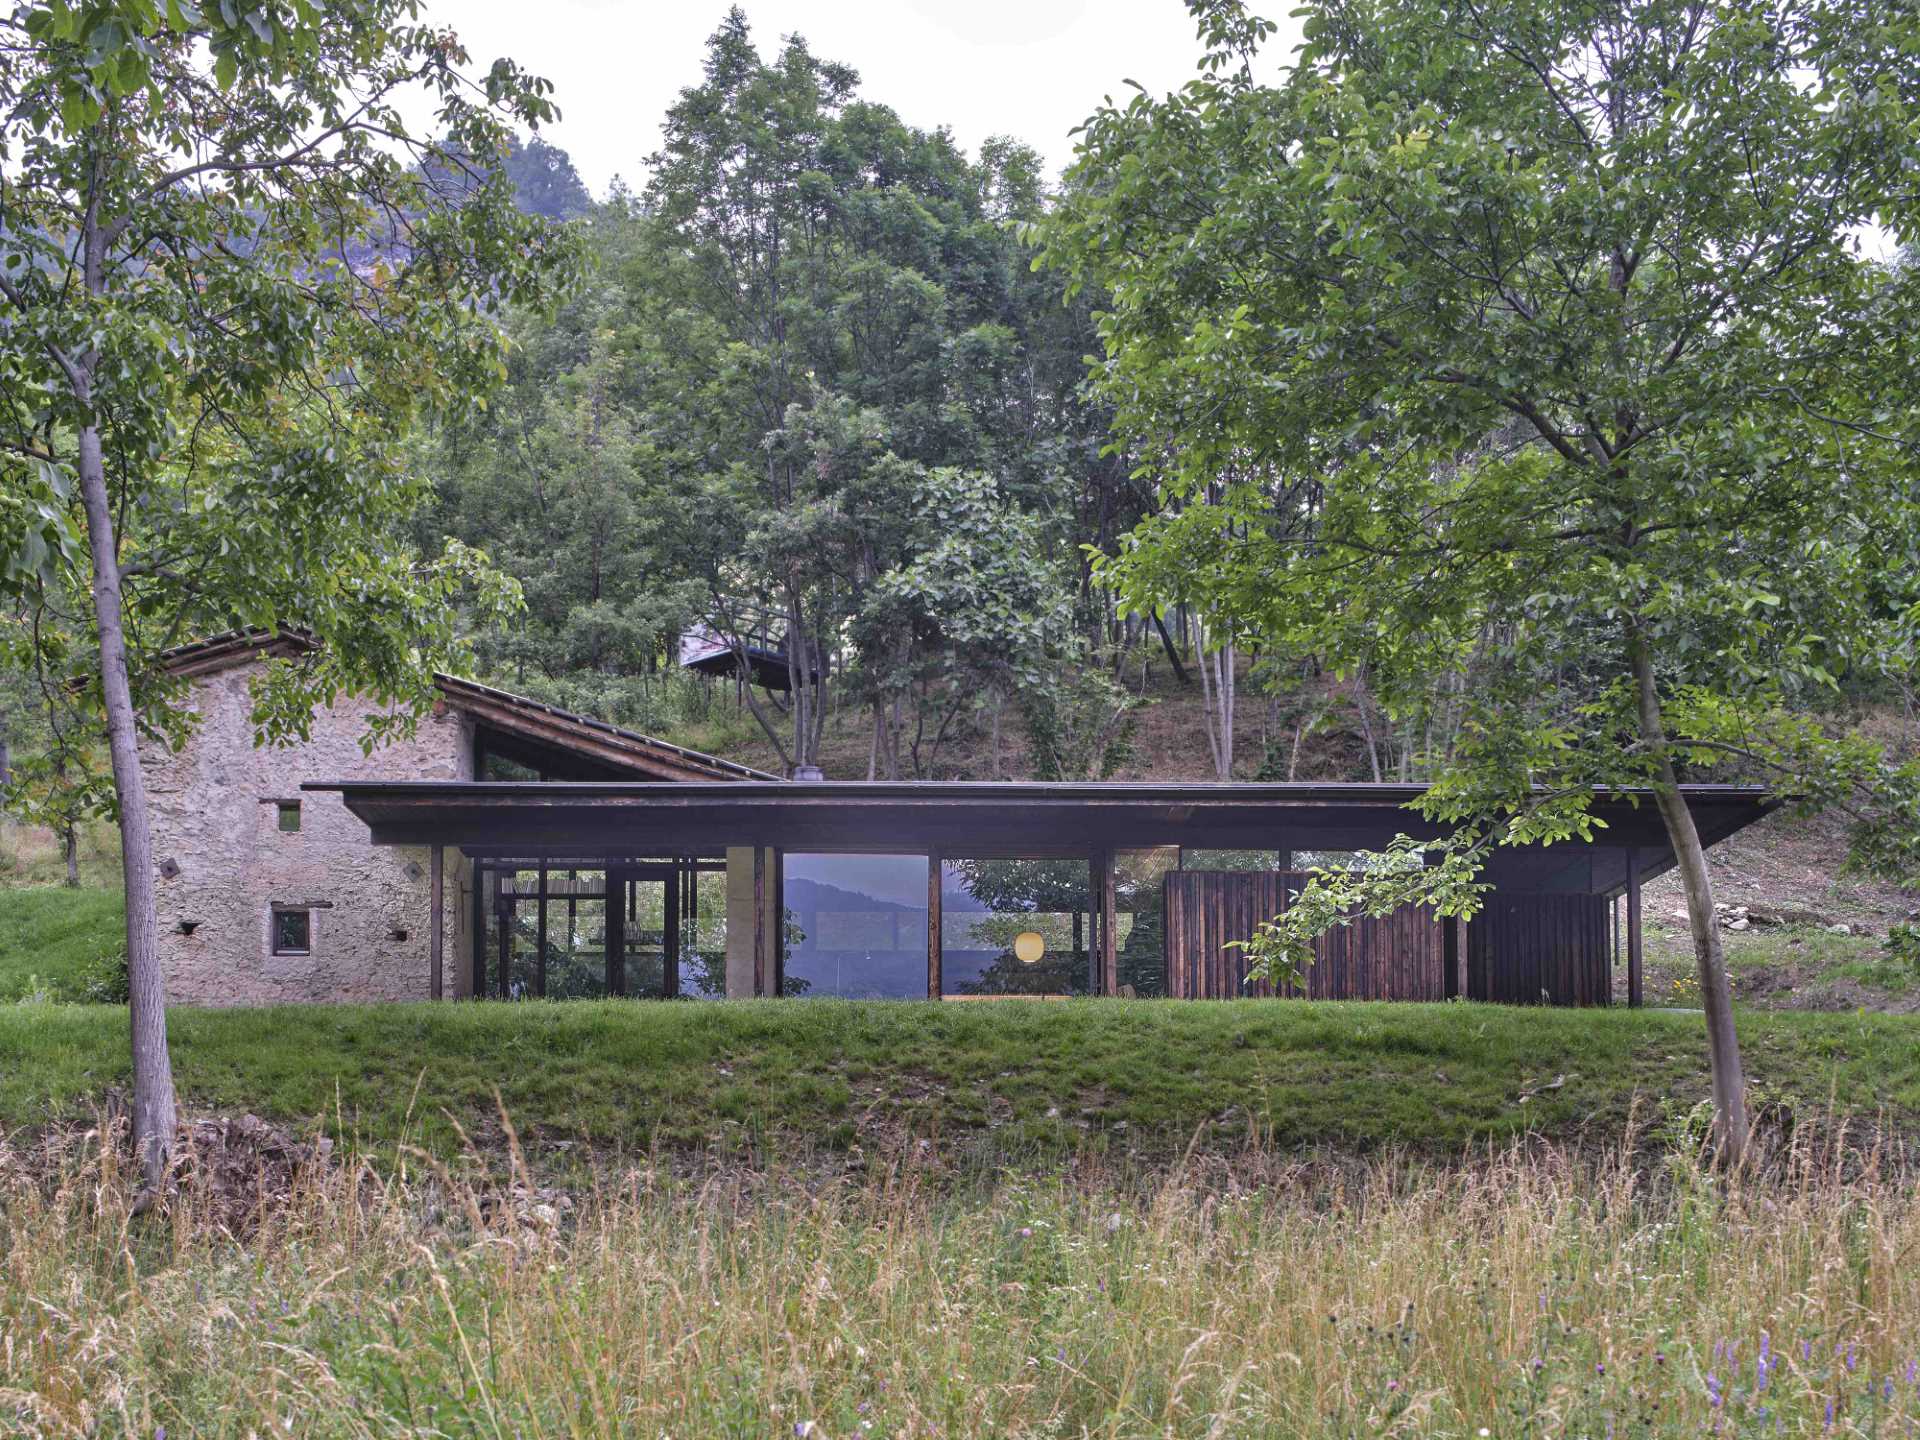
point(1401, 956)
point(1541, 949)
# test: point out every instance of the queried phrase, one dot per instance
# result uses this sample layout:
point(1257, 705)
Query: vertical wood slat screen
point(1541, 949)
point(1397, 957)
point(1521, 949)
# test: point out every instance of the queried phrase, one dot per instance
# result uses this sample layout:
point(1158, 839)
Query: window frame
point(274, 947)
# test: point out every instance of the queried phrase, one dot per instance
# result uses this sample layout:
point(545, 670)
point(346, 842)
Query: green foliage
point(1534, 348)
point(68, 945)
point(814, 391)
point(1902, 945)
point(1080, 726)
point(981, 1078)
point(1441, 874)
point(226, 250)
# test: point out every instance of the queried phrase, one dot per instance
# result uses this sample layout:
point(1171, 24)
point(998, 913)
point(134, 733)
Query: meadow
point(1526, 1292)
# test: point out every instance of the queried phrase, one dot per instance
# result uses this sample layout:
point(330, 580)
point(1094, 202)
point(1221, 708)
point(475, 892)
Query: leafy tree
point(230, 282)
point(974, 613)
point(1566, 307)
point(544, 180)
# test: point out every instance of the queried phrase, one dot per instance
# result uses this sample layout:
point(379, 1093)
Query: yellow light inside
point(1028, 946)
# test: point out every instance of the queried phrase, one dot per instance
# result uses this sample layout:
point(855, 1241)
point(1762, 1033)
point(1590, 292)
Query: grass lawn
point(994, 1081)
point(54, 940)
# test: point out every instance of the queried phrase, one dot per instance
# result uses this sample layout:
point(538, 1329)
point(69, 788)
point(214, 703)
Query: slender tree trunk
point(70, 849)
point(1716, 995)
point(154, 1112)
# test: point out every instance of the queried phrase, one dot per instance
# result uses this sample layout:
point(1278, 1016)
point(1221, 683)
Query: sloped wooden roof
point(603, 746)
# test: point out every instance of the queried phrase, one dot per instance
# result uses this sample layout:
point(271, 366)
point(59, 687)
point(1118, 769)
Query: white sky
point(1032, 69)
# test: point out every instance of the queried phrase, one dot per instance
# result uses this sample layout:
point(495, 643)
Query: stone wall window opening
point(291, 930)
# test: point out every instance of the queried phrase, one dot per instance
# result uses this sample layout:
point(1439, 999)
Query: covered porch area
point(966, 891)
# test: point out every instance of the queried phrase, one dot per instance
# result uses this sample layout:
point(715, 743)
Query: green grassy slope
point(53, 940)
point(991, 1080)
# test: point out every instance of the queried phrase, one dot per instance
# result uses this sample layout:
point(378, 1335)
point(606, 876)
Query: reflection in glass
point(856, 926)
point(703, 934)
point(576, 934)
point(644, 934)
point(987, 905)
point(1140, 931)
point(1232, 860)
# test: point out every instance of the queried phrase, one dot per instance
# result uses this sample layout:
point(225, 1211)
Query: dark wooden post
point(670, 941)
point(1634, 955)
point(436, 892)
point(614, 889)
point(759, 920)
point(933, 926)
point(1450, 957)
point(503, 907)
point(1109, 925)
point(540, 939)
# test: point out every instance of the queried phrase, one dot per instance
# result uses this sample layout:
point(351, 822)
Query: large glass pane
point(520, 899)
point(576, 934)
point(1140, 932)
point(1231, 860)
point(646, 934)
point(856, 926)
point(703, 935)
point(1015, 927)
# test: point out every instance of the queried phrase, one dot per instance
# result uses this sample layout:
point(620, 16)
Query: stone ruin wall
point(225, 863)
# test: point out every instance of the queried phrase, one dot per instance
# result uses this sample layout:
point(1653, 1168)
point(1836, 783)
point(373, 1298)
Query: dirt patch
point(1784, 864)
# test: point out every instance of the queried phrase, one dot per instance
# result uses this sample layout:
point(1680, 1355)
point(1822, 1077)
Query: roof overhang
point(964, 817)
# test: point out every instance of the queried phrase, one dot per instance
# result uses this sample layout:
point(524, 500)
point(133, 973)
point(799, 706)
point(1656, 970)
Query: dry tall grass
point(1524, 1293)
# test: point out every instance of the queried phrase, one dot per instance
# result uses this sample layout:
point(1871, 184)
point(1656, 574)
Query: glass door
point(648, 949)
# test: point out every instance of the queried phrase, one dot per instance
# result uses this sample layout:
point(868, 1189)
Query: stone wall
point(225, 863)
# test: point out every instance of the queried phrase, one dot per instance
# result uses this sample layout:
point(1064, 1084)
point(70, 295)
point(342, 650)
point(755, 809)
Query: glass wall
point(703, 933)
point(856, 926)
point(1016, 927)
point(636, 927)
point(1140, 931)
point(576, 934)
point(1232, 860)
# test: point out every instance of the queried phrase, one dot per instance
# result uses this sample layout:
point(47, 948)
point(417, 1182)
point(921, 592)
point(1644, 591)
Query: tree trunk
point(70, 849)
point(1716, 996)
point(154, 1111)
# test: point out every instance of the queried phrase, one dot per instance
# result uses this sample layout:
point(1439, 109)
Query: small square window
point(292, 932)
point(289, 816)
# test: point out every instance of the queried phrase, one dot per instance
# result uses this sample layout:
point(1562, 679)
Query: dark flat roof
point(962, 817)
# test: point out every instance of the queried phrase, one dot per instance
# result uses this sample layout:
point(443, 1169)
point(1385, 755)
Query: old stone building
point(268, 893)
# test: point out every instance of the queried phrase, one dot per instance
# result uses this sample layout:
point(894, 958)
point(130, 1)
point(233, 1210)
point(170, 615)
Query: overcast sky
point(1033, 69)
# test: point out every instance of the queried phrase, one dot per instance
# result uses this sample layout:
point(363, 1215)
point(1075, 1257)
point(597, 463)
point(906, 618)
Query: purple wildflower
point(1806, 1350)
point(1026, 1232)
point(1713, 1390)
point(1600, 1368)
point(1829, 1414)
point(1852, 1355)
point(1910, 1368)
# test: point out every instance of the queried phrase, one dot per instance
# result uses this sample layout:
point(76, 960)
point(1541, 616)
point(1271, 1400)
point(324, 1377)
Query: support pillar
point(1634, 949)
point(436, 922)
point(1108, 900)
point(934, 982)
point(759, 920)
